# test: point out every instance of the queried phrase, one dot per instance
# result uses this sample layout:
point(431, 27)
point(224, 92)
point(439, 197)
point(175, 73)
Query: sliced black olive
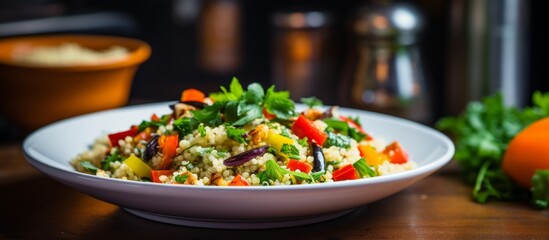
point(319, 163)
point(244, 157)
point(151, 149)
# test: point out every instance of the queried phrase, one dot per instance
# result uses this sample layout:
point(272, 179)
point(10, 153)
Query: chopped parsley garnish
point(182, 178)
point(89, 167)
point(343, 127)
point(290, 150)
point(201, 130)
point(163, 122)
point(312, 102)
point(338, 140)
point(272, 172)
point(279, 103)
point(114, 157)
point(236, 134)
point(238, 107)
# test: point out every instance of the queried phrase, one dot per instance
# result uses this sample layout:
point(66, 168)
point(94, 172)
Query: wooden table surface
point(438, 207)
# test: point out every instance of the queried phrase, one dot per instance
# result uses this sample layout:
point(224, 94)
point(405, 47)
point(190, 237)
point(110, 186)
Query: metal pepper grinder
point(384, 72)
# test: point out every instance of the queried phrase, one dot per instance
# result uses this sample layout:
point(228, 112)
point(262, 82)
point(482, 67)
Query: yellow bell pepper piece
point(140, 168)
point(276, 141)
point(371, 155)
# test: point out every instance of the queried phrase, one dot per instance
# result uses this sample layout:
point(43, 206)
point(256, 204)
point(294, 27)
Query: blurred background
point(415, 59)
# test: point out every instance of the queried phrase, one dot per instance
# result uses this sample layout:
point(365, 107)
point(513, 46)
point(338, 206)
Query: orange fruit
point(527, 152)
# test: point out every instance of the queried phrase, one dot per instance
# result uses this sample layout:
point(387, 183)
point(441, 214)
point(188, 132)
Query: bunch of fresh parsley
point(482, 133)
point(238, 107)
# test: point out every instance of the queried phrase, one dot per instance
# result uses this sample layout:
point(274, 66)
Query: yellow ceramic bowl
point(34, 95)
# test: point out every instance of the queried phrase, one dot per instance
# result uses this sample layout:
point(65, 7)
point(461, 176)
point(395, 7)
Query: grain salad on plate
point(243, 137)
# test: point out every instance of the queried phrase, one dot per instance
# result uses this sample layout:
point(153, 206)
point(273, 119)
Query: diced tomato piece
point(192, 94)
point(347, 172)
point(168, 146)
point(155, 174)
point(395, 153)
point(115, 137)
point(296, 164)
point(239, 181)
point(304, 127)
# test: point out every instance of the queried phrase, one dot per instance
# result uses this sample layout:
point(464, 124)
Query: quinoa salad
point(243, 137)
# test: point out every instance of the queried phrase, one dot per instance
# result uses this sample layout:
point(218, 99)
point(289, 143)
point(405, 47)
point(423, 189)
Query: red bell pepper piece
point(155, 174)
point(239, 181)
point(303, 127)
point(395, 153)
point(168, 146)
point(295, 164)
point(115, 137)
point(347, 172)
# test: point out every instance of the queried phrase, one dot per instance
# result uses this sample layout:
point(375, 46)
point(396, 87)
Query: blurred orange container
point(32, 95)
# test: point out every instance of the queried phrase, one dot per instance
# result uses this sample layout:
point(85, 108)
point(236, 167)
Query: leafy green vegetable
point(290, 150)
point(279, 103)
point(234, 93)
point(363, 169)
point(312, 102)
point(343, 127)
point(301, 176)
point(145, 124)
point(114, 157)
point(338, 140)
point(272, 172)
point(181, 178)
point(209, 115)
point(540, 189)
point(185, 125)
point(238, 107)
point(236, 134)
point(482, 133)
point(201, 130)
point(318, 176)
point(89, 167)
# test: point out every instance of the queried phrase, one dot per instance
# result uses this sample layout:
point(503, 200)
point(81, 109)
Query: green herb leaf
point(301, 176)
point(363, 169)
point(254, 94)
point(182, 178)
point(279, 103)
point(247, 113)
point(338, 140)
point(290, 150)
point(114, 157)
point(201, 130)
point(185, 125)
point(89, 167)
point(236, 134)
point(482, 133)
point(540, 189)
point(272, 172)
point(312, 102)
point(210, 115)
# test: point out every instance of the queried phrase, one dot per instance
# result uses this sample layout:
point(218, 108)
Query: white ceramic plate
point(50, 149)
